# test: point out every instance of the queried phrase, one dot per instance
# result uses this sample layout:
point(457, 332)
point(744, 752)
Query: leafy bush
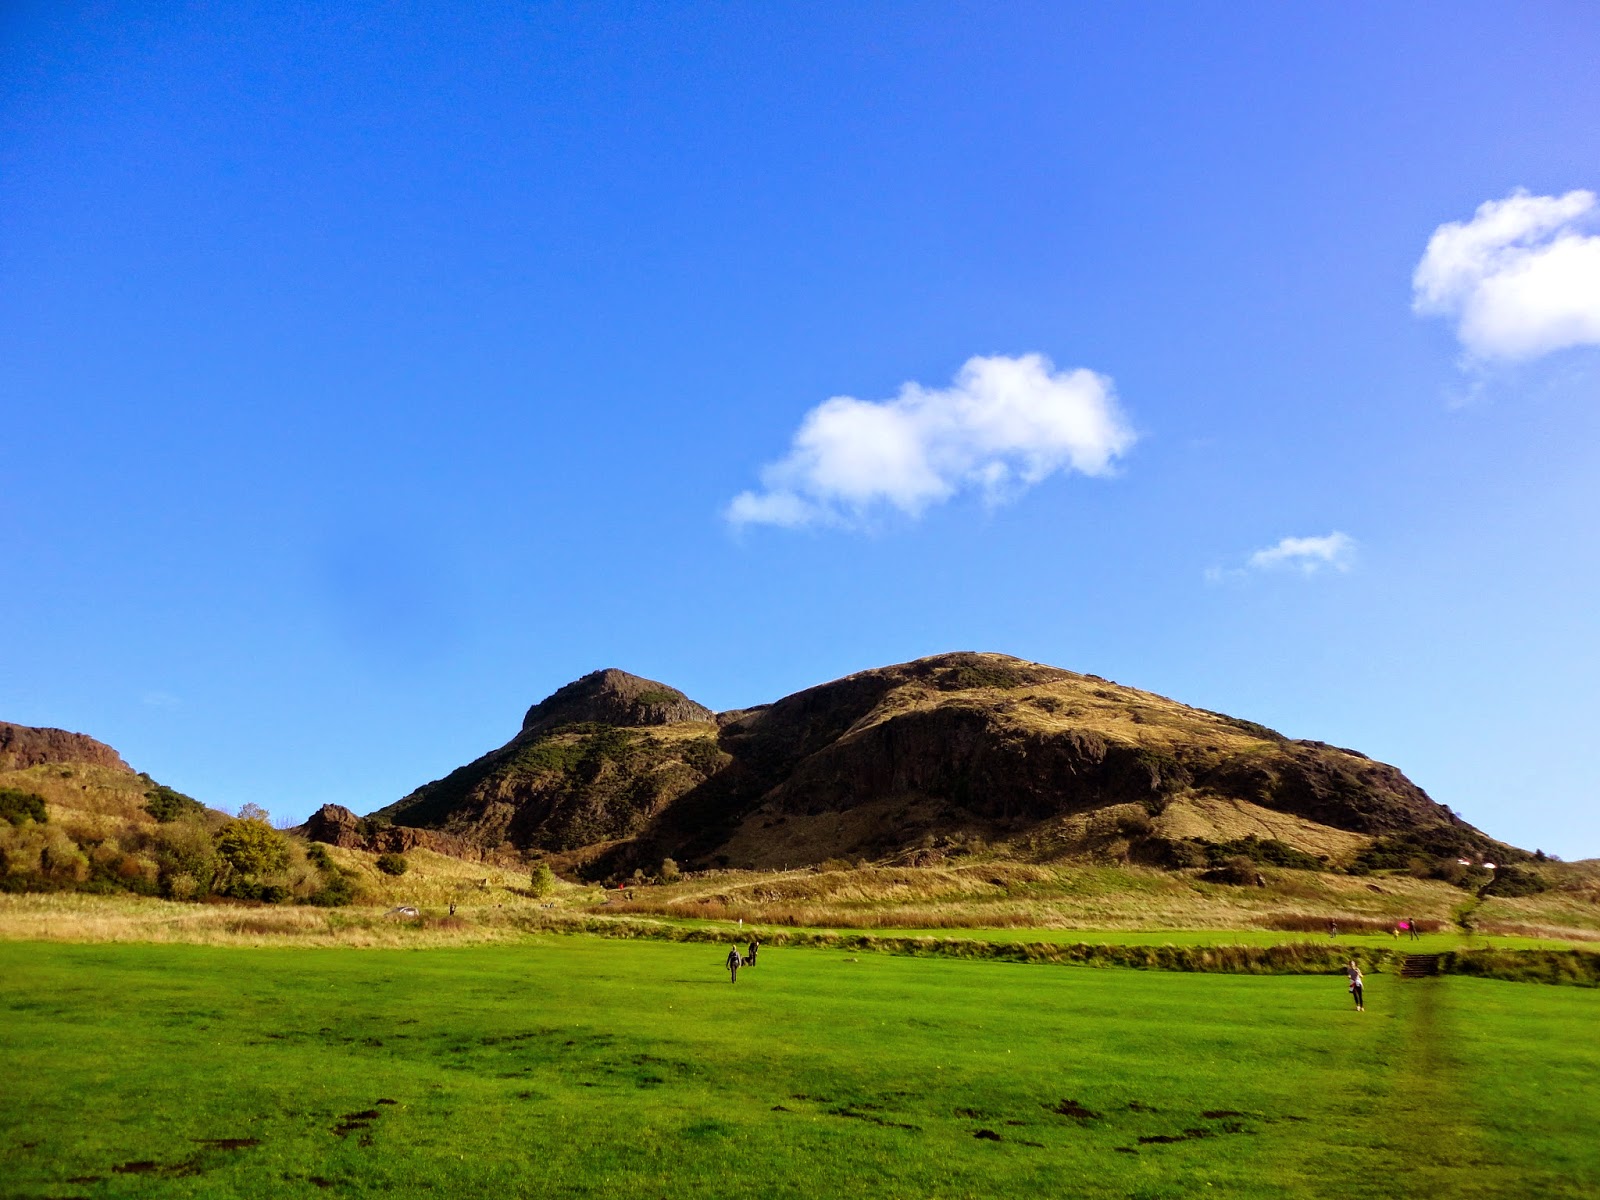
point(543, 881)
point(186, 859)
point(19, 806)
point(1433, 853)
point(392, 864)
point(669, 871)
point(252, 847)
point(337, 890)
point(1269, 851)
point(1178, 853)
point(1197, 852)
point(1512, 881)
point(165, 804)
point(1237, 870)
point(317, 855)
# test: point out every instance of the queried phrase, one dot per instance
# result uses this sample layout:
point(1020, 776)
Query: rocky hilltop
point(614, 771)
point(24, 746)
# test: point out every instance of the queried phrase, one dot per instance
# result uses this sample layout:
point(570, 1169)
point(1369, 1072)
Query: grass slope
point(589, 1067)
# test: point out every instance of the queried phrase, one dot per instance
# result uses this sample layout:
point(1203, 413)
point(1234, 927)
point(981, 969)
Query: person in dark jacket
point(733, 964)
point(750, 959)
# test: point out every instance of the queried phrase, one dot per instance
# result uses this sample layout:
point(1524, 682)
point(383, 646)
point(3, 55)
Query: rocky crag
point(614, 771)
point(24, 746)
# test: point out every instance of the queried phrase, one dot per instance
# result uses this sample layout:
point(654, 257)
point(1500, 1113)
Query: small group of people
point(1412, 928)
point(736, 960)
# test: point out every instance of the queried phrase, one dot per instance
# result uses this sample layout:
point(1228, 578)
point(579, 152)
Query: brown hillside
point(618, 772)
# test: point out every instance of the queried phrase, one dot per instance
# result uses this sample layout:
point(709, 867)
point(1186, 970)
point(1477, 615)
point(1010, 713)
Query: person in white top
point(1354, 972)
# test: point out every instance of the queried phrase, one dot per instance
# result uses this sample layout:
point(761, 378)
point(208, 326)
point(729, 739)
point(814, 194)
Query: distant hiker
point(750, 959)
point(1354, 972)
point(1416, 930)
point(733, 964)
point(452, 908)
point(1333, 930)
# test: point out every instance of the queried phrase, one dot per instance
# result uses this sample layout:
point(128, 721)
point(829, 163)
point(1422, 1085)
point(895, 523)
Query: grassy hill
point(925, 761)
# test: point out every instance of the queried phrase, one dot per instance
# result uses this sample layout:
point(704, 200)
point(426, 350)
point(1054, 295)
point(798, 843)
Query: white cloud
point(1305, 555)
point(1521, 279)
point(1002, 426)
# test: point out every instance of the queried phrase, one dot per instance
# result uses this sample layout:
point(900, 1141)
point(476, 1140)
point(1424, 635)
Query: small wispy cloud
point(160, 700)
point(1520, 279)
point(1302, 555)
point(1002, 426)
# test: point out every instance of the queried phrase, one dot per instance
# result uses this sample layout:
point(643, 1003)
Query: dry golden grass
point(1002, 894)
point(435, 879)
point(1215, 819)
point(975, 895)
point(84, 795)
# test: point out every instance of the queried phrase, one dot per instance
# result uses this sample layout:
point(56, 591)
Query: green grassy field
point(578, 1066)
point(1427, 943)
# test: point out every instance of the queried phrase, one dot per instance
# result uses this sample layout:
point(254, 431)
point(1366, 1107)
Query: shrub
point(252, 847)
point(185, 850)
point(1510, 881)
point(337, 890)
point(1237, 870)
point(19, 806)
point(1264, 850)
point(1135, 824)
point(392, 864)
point(669, 871)
point(165, 804)
point(317, 854)
point(1178, 853)
point(543, 881)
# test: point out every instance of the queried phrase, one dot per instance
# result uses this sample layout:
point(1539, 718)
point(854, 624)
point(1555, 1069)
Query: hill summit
point(613, 697)
point(613, 771)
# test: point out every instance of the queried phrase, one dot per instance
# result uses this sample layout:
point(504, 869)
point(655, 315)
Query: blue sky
point(367, 372)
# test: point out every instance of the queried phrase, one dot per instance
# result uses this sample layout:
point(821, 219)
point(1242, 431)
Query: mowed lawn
point(579, 1066)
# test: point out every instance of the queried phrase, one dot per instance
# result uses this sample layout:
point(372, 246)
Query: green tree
point(543, 881)
point(251, 847)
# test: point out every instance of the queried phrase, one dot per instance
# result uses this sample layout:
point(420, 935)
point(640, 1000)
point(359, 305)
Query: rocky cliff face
point(623, 771)
point(336, 825)
point(23, 746)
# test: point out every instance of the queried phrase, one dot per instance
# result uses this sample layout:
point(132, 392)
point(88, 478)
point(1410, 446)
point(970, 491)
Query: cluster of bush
point(1436, 853)
point(189, 853)
point(1250, 851)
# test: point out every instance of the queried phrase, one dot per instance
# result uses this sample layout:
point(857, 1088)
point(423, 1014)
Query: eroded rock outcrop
point(23, 746)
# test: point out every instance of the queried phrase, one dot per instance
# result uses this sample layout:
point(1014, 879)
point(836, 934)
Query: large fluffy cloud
point(1003, 425)
point(1520, 279)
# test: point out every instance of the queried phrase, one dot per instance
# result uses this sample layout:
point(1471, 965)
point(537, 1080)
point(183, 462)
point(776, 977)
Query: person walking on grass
point(733, 964)
point(1333, 929)
point(1354, 972)
point(750, 959)
point(1416, 930)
